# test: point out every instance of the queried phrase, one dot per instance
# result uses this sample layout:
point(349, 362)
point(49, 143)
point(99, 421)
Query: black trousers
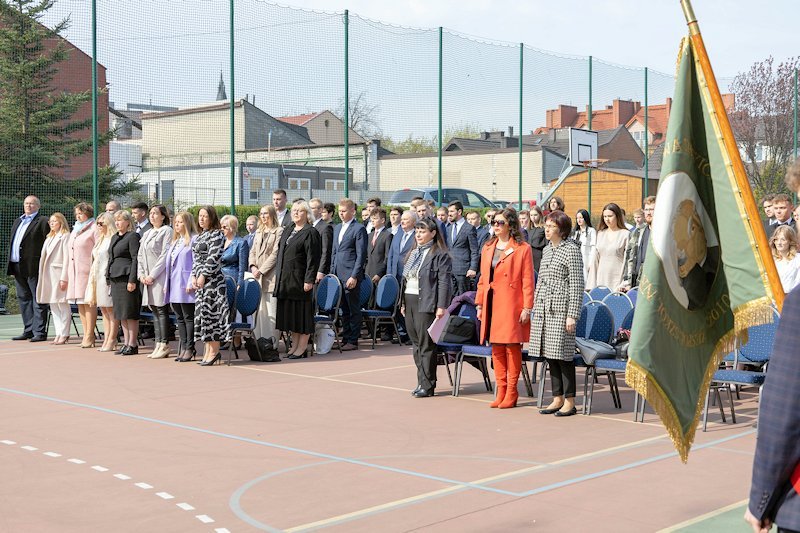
point(184, 314)
point(562, 377)
point(160, 322)
point(34, 315)
point(417, 324)
point(462, 284)
point(351, 315)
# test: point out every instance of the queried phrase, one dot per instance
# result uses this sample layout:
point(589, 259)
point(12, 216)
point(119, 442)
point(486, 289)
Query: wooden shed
point(621, 186)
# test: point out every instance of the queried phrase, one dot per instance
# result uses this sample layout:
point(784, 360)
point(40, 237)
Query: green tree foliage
point(424, 145)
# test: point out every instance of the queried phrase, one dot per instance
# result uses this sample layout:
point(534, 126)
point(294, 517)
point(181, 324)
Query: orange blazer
point(512, 291)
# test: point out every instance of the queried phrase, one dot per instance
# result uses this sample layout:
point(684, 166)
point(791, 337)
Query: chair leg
point(457, 370)
point(374, 331)
point(721, 408)
point(705, 410)
point(612, 381)
point(487, 379)
point(730, 397)
point(526, 377)
point(635, 406)
point(588, 385)
point(540, 394)
point(447, 366)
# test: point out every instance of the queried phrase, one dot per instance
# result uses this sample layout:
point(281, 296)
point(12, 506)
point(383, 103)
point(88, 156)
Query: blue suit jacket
point(464, 249)
point(396, 255)
point(349, 257)
point(778, 444)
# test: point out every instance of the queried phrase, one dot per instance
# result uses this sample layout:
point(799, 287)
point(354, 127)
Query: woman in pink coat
point(79, 266)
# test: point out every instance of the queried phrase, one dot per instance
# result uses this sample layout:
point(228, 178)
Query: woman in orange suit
point(504, 302)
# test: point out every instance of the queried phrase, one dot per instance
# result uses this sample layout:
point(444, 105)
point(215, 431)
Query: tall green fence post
point(646, 142)
point(521, 56)
point(794, 153)
point(440, 118)
point(589, 123)
point(233, 112)
point(347, 103)
point(95, 177)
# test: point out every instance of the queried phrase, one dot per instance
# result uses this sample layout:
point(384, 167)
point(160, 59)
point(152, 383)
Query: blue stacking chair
point(329, 301)
point(633, 294)
point(387, 299)
point(365, 289)
point(248, 298)
point(230, 293)
point(457, 350)
point(597, 323)
point(598, 293)
point(586, 298)
point(620, 305)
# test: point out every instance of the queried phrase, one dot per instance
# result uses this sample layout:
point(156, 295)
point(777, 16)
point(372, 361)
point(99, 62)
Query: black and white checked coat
point(559, 294)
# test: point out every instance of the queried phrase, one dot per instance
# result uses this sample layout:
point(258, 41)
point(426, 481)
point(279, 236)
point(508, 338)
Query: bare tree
point(363, 116)
point(762, 121)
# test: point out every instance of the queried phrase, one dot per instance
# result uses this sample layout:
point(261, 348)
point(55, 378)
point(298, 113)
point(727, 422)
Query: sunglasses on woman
point(498, 222)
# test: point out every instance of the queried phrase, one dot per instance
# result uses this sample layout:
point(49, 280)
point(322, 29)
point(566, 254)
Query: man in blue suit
point(402, 243)
point(347, 263)
point(774, 494)
point(463, 244)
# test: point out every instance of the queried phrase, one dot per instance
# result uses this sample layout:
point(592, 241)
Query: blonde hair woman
point(52, 287)
point(98, 291)
point(121, 275)
point(783, 244)
point(178, 290)
point(262, 260)
point(79, 263)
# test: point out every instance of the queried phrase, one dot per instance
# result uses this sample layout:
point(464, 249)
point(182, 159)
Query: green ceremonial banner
point(703, 283)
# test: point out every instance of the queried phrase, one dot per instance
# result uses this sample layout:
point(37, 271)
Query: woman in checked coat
point(556, 309)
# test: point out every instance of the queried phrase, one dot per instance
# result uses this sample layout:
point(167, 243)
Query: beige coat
point(79, 261)
point(52, 269)
point(151, 262)
point(264, 254)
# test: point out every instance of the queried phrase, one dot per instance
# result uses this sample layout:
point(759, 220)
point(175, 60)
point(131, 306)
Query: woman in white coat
point(52, 287)
point(584, 234)
point(263, 255)
point(152, 274)
point(98, 292)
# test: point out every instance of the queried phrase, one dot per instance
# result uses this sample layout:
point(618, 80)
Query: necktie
point(374, 237)
point(404, 241)
point(455, 232)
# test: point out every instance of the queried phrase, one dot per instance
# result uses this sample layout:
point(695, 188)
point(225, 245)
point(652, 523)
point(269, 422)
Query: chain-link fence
point(223, 102)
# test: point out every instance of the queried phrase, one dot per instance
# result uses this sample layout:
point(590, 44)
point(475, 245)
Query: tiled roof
point(657, 120)
point(298, 120)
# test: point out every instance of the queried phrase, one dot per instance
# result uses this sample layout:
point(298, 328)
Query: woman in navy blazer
point(179, 293)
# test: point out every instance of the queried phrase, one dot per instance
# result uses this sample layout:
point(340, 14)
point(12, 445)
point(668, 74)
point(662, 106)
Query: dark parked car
point(470, 199)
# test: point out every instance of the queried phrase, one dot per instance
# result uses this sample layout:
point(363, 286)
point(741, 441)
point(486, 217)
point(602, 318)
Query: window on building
point(334, 185)
point(299, 184)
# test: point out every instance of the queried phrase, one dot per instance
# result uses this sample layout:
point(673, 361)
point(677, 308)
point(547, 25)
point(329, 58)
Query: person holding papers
point(427, 281)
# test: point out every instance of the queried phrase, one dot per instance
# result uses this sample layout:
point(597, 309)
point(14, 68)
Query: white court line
point(703, 517)
point(185, 506)
point(144, 486)
point(30, 448)
point(165, 495)
point(100, 468)
point(221, 530)
point(76, 461)
point(52, 454)
point(123, 477)
point(370, 371)
point(204, 518)
point(8, 442)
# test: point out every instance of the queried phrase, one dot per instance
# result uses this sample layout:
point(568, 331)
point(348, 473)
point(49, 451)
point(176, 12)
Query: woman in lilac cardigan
point(178, 291)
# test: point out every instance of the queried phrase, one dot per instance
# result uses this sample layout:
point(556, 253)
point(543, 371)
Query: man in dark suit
point(325, 230)
point(782, 211)
point(462, 241)
point(773, 492)
point(402, 243)
point(486, 232)
point(141, 220)
point(27, 238)
point(380, 240)
point(347, 263)
point(279, 203)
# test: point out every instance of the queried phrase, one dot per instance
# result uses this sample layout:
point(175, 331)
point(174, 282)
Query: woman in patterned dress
point(556, 309)
point(211, 319)
point(98, 292)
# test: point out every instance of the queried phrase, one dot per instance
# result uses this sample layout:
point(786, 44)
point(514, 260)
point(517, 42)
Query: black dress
point(298, 260)
point(122, 269)
point(537, 241)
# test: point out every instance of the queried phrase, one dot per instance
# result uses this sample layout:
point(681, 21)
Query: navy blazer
point(234, 259)
point(464, 249)
point(397, 256)
point(778, 443)
point(349, 257)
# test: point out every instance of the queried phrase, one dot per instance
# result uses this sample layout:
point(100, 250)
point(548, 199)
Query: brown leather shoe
point(349, 347)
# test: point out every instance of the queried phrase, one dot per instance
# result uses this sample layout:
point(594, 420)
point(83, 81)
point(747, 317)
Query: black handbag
point(592, 350)
point(261, 350)
point(458, 330)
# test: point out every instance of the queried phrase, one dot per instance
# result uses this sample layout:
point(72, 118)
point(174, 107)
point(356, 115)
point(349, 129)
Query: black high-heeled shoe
point(188, 355)
point(216, 358)
point(131, 350)
point(299, 355)
point(121, 349)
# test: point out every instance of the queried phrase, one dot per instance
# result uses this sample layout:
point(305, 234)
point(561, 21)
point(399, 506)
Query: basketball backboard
point(582, 147)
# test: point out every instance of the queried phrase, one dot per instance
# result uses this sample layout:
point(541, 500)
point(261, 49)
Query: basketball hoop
point(594, 163)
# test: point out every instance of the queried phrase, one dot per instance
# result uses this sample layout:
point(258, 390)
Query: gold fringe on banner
point(754, 313)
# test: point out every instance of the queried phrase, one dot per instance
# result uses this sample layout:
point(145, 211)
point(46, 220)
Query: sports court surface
point(91, 441)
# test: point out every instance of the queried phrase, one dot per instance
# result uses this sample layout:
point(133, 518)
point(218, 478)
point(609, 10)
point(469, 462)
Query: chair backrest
point(387, 293)
point(596, 322)
point(364, 291)
point(760, 340)
point(586, 298)
point(230, 291)
point(627, 322)
point(632, 294)
point(598, 293)
point(619, 304)
point(248, 297)
point(329, 294)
